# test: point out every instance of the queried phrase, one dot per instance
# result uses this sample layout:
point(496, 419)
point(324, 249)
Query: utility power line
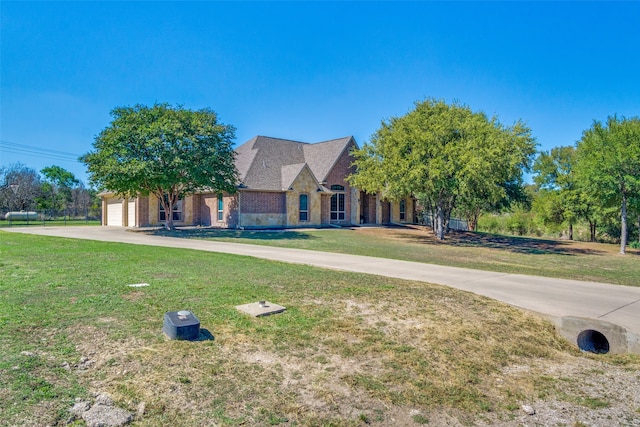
point(15, 148)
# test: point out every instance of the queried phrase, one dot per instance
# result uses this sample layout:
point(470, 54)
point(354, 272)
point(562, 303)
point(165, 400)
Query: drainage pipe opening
point(593, 341)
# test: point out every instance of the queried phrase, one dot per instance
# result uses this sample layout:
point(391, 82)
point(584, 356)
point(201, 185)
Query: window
point(403, 210)
point(220, 208)
point(304, 207)
point(177, 210)
point(337, 204)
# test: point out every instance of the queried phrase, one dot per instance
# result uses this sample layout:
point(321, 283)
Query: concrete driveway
point(573, 305)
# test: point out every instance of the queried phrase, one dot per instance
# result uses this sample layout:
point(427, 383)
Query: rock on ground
point(102, 414)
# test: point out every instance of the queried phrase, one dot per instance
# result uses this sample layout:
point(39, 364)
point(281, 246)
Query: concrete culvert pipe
point(593, 341)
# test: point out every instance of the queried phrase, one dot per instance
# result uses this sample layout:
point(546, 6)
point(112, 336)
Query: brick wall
point(255, 202)
point(386, 212)
point(196, 200)
point(208, 210)
point(231, 216)
point(142, 212)
point(337, 175)
point(208, 206)
point(372, 205)
point(326, 209)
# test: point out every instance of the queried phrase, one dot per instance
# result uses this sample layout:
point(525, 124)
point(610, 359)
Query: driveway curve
point(554, 298)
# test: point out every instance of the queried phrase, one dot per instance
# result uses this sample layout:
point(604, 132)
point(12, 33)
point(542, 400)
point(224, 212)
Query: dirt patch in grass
point(134, 295)
point(446, 358)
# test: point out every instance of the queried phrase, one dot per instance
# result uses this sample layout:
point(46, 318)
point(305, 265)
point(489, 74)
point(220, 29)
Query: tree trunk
point(570, 231)
point(169, 215)
point(592, 230)
point(167, 203)
point(433, 215)
point(623, 225)
point(439, 222)
point(638, 228)
point(472, 223)
point(168, 224)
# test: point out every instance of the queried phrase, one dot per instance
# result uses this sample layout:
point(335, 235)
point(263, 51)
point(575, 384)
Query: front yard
point(350, 350)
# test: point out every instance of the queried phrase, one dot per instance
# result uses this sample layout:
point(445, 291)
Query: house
point(283, 184)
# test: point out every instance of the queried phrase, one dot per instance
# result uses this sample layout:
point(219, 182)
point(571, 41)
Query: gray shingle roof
point(290, 173)
point(266, 163)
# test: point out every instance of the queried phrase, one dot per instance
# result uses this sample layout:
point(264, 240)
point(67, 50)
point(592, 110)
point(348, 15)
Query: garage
point(114, 212)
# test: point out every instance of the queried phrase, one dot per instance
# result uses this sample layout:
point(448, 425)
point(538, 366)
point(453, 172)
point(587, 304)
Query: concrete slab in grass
point(261, 308)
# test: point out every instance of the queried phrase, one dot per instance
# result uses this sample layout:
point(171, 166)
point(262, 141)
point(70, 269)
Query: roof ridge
point(282, 139)
point(335, 139)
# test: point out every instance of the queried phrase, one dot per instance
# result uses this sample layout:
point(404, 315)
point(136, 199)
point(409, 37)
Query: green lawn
point(596, 262)
point(351, 349)
point(48, 223)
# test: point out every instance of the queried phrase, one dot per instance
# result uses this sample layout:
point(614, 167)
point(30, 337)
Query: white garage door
point(114, 212)
point(131, 213)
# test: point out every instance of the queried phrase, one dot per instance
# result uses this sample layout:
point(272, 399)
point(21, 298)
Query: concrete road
point(555, 298)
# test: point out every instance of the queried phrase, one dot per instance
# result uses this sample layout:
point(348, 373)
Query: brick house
point(283, 184)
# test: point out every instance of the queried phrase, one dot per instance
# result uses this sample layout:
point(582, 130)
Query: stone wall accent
point(409, 211)
point(154, 216)
point(248, 220)
point(153, 211)
point(304, 184)
point(187, 211)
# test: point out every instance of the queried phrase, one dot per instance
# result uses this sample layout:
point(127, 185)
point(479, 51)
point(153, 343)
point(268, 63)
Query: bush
point(519, 223)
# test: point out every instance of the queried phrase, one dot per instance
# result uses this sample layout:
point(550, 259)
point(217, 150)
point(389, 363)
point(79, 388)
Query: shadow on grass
point(216, 233)
point(205, 335)
point(522, 245)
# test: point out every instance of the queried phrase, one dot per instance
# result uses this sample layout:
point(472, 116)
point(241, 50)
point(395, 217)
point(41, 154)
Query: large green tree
point(562, 198)
point(609, 161)
point(558, 199)
point(57, 188)
point(169, 152)
point(445, 155)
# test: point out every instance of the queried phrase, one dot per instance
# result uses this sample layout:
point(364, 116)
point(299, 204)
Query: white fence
point(454, 223)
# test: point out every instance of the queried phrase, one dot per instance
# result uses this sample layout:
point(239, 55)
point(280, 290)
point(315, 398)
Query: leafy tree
point(57, 188)
point(166, 151)
point(560, 199)
point(549, 209)
point(60, 176)
point(19, 187)
point(472, 204)
point(609, 161)
point(445, 155)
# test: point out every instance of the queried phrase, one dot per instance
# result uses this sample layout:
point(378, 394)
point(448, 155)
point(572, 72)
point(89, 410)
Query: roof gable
point(290, 173)
point(266, 163)
point(322, 156)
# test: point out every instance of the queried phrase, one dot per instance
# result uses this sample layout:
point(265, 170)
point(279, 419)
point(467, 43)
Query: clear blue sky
point(309, 71)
